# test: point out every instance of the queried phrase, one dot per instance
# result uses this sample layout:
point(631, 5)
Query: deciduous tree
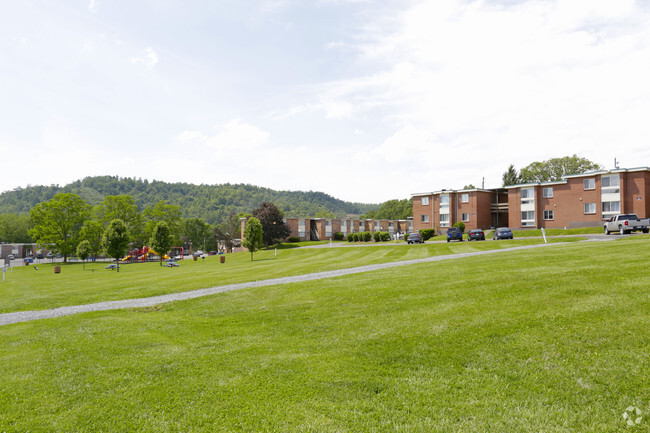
point(161, 240)
point(84, 249)
point(116, 240)
point(553, 169)
point(93, 232)
point(163, 211)
point(121, 207)
point(57, 222)
point(253, 235)
point(272, 220)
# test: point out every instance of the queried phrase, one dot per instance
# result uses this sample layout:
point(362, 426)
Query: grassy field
point(554, 339)
point(28, 289)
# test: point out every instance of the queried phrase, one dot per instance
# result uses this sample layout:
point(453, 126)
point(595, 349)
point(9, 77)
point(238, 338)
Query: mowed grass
point(555, 339)
point(28, 289)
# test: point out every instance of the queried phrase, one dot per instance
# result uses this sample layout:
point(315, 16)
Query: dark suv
point(414, 238)
point(454, 234)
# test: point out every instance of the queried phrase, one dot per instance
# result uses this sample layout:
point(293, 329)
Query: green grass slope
point(28, 289)
point(553, 339)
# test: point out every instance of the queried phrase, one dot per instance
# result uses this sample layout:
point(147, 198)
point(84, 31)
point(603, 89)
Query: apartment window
point(377, 226)
point(547, 192)
point(444, 199)
point(344, 227)
point(301, 228)
point(590, 207)
point(464, 198)
point(464, 217)
point(527, 193)
point(609, 180)
point(548, 215)
point(425, 201)
point(425, 218)
point(362, 226)
point(589, 183)
point(611, 207)
point(610, 184)
point(328, 228)
point(527, 218)
point(444, 220)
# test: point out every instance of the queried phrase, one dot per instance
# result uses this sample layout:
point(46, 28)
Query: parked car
point(502, 233)
point(39, 255)
point(415, 238)
point(626, 223)
point(49, 255)
point(454, 233)
point(476, 235)
point(198, 253)
point(11, 257)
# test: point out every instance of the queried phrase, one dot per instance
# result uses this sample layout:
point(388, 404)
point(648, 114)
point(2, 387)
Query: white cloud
point(237, 136)
point(528, 80)
point(148, 59)
point(93, 6)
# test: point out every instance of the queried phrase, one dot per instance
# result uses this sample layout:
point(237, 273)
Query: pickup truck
point(626, 223)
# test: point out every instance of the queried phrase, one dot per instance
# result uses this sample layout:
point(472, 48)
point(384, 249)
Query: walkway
point(26, 316)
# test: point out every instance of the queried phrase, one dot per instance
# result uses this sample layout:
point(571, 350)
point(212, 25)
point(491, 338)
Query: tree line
point(212, 203)
point(66, 221)
point(548, 171)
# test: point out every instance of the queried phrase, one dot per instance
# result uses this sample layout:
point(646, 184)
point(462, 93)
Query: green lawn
point(28, 289)
point(555, 339)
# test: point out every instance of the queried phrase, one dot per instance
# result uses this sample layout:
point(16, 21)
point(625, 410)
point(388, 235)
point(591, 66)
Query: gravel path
point(25, 316)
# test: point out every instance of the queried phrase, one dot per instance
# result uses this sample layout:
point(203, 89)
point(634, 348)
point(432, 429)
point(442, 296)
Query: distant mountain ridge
point(211, 203)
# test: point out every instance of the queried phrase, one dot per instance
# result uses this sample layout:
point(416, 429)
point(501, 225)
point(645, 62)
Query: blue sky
point(363, 100)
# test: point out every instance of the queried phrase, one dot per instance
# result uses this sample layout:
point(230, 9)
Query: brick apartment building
point(477, 208)
point(579, 200)
point(315, 229)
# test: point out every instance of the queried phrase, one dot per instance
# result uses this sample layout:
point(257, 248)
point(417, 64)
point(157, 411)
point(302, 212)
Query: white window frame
point(589, 183)
point(527, 193)
point(589, 206)
point(424, 218)
point(611, 209)
point(549, 215)
point(547, 192)
point(444, 220)
point(424, 201)
point(526, 221)
point(464, 197)
point(464, 217)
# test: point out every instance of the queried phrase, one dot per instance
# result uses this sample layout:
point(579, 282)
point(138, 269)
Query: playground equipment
point(141, 254)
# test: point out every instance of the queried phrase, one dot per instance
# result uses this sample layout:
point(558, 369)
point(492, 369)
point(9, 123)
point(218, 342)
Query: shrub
point(460, 225)
point(293, 239)
point(385, 236)
point(357, 237)
point(366, 236)
point(377, 236)
point(338, 236)
point(406, 236)
point(350, 237)
point(427, 234)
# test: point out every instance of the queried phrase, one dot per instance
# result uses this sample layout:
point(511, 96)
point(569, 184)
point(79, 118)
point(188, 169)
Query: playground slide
point(165, 257)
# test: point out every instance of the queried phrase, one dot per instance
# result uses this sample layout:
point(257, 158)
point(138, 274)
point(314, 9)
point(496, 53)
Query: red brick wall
point(419, 209)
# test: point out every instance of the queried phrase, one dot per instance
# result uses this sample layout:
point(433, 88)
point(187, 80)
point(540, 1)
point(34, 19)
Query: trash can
point(57, 269)
point(222, 259)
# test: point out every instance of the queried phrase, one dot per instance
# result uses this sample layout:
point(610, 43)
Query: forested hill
point(211, 203)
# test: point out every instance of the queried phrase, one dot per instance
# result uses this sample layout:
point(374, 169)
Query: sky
point(364, 100)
